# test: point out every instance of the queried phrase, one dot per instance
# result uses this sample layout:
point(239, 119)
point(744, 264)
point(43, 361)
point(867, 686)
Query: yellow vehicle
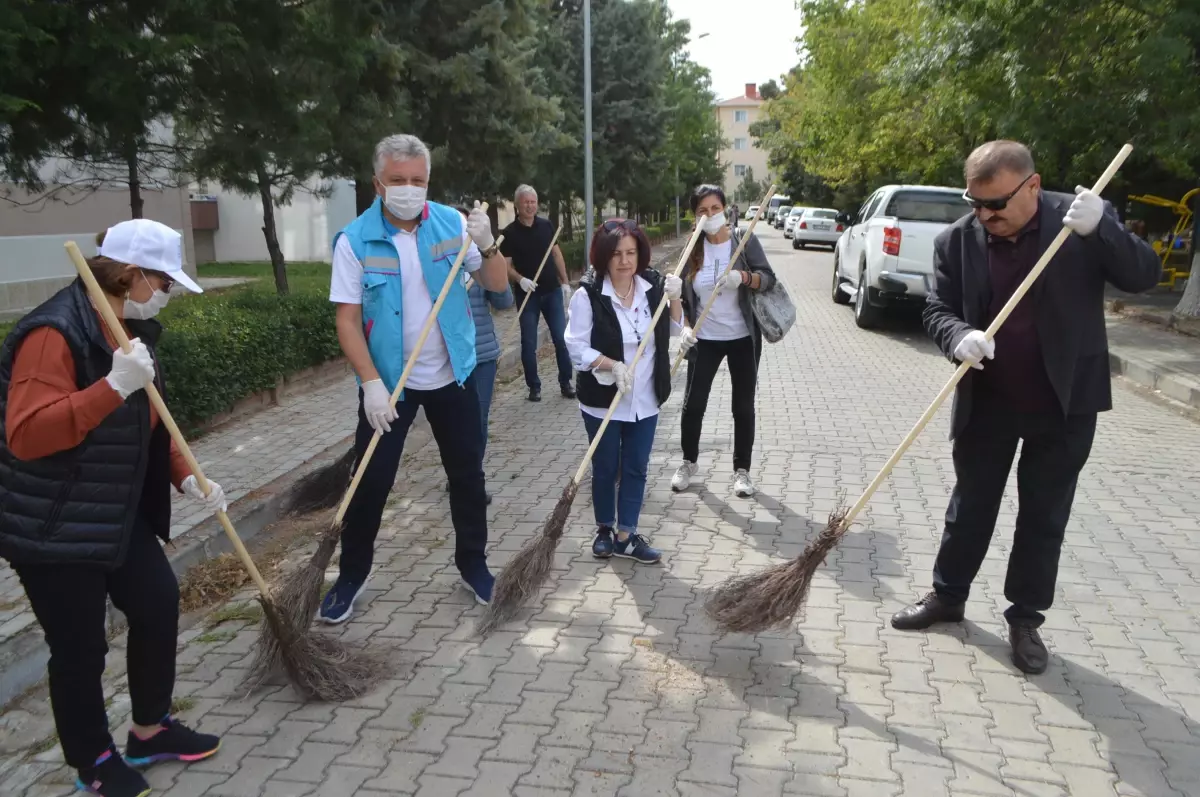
point(1176, 260)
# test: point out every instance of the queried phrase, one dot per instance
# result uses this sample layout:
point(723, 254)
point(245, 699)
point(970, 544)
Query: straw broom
point(320, 667)
point(525, 574)
point(729, 267)
point(301, 591)
point(771, 598)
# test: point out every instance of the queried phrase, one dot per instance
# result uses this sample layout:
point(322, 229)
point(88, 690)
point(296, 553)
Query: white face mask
point(713, 224)
point(405, 201)
point(143, 311)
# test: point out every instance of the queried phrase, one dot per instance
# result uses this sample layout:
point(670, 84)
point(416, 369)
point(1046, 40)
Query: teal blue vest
point(439, 238)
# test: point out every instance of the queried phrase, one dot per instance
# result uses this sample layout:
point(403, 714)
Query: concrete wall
point(305, 227)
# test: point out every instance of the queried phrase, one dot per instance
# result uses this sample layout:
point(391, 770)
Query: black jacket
point(752, 259)
point(608, 340)
point(1069, 298)
point(78, 506)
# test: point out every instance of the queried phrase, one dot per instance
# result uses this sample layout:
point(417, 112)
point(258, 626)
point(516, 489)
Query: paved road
point(616, 684)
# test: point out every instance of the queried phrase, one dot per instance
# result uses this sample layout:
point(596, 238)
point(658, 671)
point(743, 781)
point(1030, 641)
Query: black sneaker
point(338, 604)
point(568, 391)
point(535, 394)
point(175, 742)
point(112, 777)
point(602, 547)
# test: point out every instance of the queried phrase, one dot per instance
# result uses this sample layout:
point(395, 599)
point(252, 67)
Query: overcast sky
point(748, 40)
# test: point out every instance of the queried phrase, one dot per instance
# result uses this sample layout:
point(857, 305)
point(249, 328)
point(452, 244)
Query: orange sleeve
point(180, 469)
point(47, 412)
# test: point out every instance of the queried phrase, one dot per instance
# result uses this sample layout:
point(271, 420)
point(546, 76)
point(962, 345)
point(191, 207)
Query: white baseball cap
point(150, 245)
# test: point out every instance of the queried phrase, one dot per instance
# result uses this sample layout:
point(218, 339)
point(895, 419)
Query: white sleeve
point(474, 258)
point(578, 334)
point(346, 282)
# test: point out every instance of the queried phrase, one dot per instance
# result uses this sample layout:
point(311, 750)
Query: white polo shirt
point(432, 369)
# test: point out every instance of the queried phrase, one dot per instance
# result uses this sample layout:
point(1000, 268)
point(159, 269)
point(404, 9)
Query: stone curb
point(1176, 385)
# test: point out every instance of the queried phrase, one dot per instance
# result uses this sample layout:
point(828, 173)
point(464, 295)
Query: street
point(617, 684)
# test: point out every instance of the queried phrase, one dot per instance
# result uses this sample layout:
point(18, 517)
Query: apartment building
point(735, 117)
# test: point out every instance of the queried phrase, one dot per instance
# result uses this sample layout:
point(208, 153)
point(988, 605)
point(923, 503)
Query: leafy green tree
point(749, 189)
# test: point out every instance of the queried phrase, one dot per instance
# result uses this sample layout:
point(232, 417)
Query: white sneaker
point(683, 476)
point(742, 486)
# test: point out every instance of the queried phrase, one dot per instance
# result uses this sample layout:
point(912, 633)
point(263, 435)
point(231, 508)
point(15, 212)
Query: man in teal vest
point(389, 265)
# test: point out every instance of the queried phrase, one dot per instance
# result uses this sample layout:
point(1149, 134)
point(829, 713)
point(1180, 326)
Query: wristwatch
point(491, 250)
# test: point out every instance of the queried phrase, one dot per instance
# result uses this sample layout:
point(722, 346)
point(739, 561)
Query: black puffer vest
point(78, 506)
point(607, 339)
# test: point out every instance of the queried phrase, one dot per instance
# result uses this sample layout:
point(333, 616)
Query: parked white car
point(817, 226)
point(885, 256)
point(790, 222)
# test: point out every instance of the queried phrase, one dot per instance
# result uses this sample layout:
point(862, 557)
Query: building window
point(740, 116)
point(741, 143)
point(739, 170)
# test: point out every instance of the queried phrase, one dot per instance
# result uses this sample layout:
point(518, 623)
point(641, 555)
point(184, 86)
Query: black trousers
point(453, 414)
point(1054, 450)
point(70, 604)
point(702, 370)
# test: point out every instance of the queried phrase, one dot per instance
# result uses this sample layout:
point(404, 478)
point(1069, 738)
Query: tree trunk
point(364, 194)
point(135, 181)
point(555, 212)
point(278, 267)
point(494, 216)
point(569, 221)
point(1189, 304)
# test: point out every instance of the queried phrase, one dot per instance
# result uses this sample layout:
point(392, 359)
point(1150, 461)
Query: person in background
point(86, 471)
point(1045, 380)
point(610, 314)
point(525, 243)
point(730, 332)
point(389, 265)
point(487, 344)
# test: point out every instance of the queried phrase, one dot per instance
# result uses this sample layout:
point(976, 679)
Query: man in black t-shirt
point(525, 243)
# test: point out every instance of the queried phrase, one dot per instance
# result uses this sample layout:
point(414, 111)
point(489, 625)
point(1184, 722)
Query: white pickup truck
point(885, 256)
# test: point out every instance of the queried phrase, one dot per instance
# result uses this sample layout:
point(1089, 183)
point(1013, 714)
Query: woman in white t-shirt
point(730, 332)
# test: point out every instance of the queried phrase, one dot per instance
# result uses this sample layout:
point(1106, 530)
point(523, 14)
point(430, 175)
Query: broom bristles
point(525, 575)
point(770, 599)
point(322, 488)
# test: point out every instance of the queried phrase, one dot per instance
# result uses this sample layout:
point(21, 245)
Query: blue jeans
point(625, 447)
point(485, 385)
point(551, 307)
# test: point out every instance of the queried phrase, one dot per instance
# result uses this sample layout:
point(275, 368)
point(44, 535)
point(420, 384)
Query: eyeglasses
point(994, 204)
point(612, 225)
point(167, 282)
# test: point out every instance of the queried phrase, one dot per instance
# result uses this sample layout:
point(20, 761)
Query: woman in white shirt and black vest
point(730, 332)
point(609, 315)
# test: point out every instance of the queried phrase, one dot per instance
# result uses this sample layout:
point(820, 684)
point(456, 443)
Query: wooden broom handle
point(729, 267)
point(612, 407)
point(512, 328)
point(962, 369)
point(412, 361)
point(100, 300)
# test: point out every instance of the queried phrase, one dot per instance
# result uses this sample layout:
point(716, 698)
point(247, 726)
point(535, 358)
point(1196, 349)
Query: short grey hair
point(994, 157)
point(401, 147)
point(523, 189)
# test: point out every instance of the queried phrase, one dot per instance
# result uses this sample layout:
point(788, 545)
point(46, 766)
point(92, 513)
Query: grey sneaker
point(683, 476)
point(742, 486)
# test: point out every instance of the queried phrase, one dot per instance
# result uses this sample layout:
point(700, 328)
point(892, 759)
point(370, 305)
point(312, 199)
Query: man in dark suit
point(1046, 377)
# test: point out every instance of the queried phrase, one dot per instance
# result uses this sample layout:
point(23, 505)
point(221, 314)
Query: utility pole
point(589, 213)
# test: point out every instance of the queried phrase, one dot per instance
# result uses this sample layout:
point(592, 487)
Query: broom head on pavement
point(322, 488)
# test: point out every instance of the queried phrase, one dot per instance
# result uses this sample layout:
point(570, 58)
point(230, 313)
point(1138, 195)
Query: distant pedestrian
point(730, 333)
point(487, 345)
point(1045, 380)
point(734, 215)
point(525, 243)
point(610, 316)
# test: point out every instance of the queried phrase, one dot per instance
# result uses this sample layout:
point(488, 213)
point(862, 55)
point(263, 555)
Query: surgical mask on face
point(714, 223)
point(405, 201)
point(143, 311)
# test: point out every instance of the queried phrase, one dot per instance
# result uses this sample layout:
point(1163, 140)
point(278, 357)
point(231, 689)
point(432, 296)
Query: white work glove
point(687, 339)
point(731, 281)
point(673, 286)
point(566, 289)
point(1085, 212)
point(622, 377)
point(215, 500)
point(973, 348)
point(377, 405)
point(479, 227)
point(130, 372)
point(527, 284)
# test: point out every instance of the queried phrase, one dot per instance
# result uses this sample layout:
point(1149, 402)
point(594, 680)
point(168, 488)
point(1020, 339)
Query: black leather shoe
point(488, 498)
point(927, 611)
point(535, 394)
point(1028, 651)
point(568, 391)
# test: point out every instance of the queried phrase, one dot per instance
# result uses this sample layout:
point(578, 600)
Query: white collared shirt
point(642, 401)
point(725, 320)
point(432, 369)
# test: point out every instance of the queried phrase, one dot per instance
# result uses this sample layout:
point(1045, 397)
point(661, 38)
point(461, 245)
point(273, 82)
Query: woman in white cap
point(86, 471)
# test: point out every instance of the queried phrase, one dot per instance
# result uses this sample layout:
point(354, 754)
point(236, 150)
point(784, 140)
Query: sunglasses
point(612, 225)
point(167, 282)
point(997, 204)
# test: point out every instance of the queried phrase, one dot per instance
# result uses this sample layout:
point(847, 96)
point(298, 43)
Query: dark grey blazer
point(1069, 298)
point(752, 259)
